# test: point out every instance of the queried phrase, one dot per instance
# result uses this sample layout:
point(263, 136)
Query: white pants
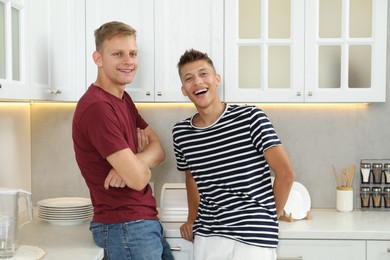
point(220, 248)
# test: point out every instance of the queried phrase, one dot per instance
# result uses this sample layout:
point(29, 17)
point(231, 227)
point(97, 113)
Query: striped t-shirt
point(233, 178)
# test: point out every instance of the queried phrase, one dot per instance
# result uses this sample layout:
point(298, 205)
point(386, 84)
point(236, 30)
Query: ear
point(218, 78)
point(183, 91)
point(97, 58)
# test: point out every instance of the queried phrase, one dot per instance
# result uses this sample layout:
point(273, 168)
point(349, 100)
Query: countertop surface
point(327, 224)
point(75, 242)
point(60, 242)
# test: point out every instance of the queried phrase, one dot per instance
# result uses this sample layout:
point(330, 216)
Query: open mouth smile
point(201, 91)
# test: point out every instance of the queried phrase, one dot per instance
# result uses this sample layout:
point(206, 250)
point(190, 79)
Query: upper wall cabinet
point(13, 60)
point(305, 51)
point(140, 15)
point(182, 25)
point(165, 29)
point(57, 49)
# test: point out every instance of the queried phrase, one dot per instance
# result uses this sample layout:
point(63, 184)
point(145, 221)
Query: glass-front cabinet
point(305, 51)
point(13, 73)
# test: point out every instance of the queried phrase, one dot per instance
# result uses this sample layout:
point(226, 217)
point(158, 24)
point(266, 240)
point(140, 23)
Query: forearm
point(281, 188)
point(152, 155)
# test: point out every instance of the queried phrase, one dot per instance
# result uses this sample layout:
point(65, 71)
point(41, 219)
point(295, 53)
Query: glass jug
point(9, 213)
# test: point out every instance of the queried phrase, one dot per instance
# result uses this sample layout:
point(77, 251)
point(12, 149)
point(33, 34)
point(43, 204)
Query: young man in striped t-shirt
point(226, 152)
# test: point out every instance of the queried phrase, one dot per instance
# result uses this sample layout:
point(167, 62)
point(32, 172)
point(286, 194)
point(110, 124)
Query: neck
point(207, 116)
point(109, 87)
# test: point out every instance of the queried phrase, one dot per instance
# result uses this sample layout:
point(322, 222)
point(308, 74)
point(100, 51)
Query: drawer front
point(181, 248)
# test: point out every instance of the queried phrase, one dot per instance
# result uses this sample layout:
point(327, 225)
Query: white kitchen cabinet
point(165, 29)
point(181, 25)
point(322, 249)
point(57, 66)
point(378, 250)
point(140, 15)
point(305, 50)
point(13, 53)
point(181, 248)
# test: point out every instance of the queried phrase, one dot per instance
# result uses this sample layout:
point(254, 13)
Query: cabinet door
point(345, 50)
point(181, 249)
point(322, 249)
point(305, 50)
point(264, 50)
point(378, 250)
point(13, 54)
point(57, 68)
point(140, 15)
point(182, 25)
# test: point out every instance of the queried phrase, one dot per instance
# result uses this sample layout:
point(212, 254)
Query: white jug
point(9, 213)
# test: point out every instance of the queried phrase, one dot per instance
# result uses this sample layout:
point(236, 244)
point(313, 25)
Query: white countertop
point(327, 224)
point(75, 242)
point(60, 242)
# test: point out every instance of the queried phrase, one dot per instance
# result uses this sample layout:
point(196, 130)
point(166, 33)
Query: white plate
point(298, 203)
point(65, 202)
point(67, 222)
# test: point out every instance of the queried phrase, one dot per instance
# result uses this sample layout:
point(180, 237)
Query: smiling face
point(200, 83)
point(117, 63)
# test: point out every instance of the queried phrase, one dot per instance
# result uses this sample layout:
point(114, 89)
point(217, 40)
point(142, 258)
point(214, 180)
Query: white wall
point(15, 146)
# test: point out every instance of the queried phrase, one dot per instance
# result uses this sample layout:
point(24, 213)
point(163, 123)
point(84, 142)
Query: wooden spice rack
point(385, 182)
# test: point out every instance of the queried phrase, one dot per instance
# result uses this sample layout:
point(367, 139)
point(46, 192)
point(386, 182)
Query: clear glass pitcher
point(9, 214)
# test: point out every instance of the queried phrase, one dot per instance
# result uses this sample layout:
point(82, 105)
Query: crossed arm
point(133, 170)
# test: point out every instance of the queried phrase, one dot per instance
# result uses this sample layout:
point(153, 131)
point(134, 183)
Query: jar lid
point(365, 188)
point(376, 189)
point(365, 165)
point(386, 165)
point(386, 189)
point(377, 165)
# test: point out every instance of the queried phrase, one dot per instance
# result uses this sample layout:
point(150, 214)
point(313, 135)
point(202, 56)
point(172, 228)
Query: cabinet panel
point(350, 47)
point(140, 15)
point(265, 63)
point(181, 249)
point(13, 54)
point(57, 49)
point(378, 250)
point(177, 30)
point(322, 249)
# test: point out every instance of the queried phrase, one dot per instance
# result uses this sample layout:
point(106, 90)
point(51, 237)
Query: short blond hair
point(111, 29)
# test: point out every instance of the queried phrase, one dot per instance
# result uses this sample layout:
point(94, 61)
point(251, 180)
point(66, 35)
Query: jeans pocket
point(99, 233)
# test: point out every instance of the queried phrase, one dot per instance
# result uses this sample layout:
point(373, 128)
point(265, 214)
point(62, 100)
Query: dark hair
point(191, 56)
point(111, 29)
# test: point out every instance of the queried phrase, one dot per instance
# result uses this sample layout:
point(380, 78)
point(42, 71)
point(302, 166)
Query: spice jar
point(386, 196)
point(386, 172)
point(365, 172)
point(377, 173)
point(376, 195)
point(364, 197)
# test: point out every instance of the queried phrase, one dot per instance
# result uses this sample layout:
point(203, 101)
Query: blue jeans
point(133, 240)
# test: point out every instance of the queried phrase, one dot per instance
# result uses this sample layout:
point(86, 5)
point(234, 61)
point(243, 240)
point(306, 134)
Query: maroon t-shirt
point(102, 125)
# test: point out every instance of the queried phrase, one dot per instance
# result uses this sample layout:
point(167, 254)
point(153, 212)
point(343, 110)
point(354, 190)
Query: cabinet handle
point(176, 248)
point(388, 250)
point(299, 94)
point(148, 93)
point(290, 258)
point(159, 93)
point(56, 92)
point(310, 93)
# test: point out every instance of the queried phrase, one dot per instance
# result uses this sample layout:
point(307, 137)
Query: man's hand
point(113, 180)
point(143, 140)
point(186, 231)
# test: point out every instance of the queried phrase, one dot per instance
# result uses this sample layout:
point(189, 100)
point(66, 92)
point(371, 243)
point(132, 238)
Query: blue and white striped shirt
point(233, 178)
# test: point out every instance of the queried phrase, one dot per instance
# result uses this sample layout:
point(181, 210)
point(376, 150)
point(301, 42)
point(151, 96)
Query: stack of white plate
point(65, 210)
